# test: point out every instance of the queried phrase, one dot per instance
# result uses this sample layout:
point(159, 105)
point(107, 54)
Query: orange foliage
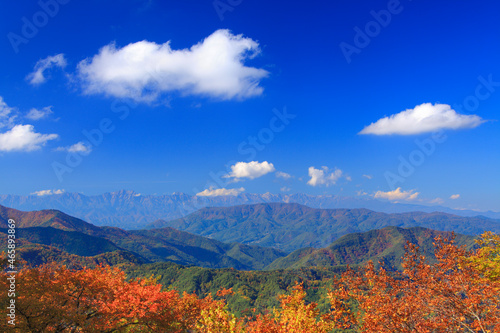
point(56, 299)
point(451, 295)
point(448, 296)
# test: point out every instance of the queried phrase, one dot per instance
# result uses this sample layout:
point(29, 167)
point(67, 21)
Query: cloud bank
point(422, 119)
point(144, 70)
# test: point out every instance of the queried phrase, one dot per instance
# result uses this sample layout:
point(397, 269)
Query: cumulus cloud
point(144, 70)
point(250, 170)
point(7, 114)
point(17, 137)
point(283, 175)
point(218, 192)
point(421, 119)
point(368, 176)
point(397, 194)
point(23, 138)
point(47, 192)
point(79, 147)
point(323, 176)
point(37, 77)
point(455, 196)
point(37, 114)
point(285, 189)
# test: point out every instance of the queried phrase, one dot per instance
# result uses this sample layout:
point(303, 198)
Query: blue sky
point(397, 100)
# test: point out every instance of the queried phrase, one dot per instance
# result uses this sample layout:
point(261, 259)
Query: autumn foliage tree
point(451, 295)
point(57, 299)
point(293, 316)
point(458, 292)
point(486, 259)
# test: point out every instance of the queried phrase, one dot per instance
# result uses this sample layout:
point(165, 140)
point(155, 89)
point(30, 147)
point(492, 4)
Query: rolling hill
point(77, 237)
point(168, 244)
point(73, 242)
point(44, 218)
point(290, 227)
point(385, 245)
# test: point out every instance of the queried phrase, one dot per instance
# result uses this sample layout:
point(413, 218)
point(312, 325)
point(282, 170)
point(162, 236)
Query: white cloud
point(144, 70)
point(47, 192)
point(285, 189)
point(19, 137)
point(323, 176)
point(436, 201)
point(7, 114)
point(455, 196)
point(368, 176)
point(37, 114)
point(213, 192)
point(397, 194)
point(284, 175)
point(361, 193)
point(37, 77)
point(23, 138)
point(423, 118)
point(79, 147)
point(250, 170)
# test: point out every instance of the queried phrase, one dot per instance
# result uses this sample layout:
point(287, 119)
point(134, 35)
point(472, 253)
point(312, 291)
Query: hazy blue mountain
point(130, 210)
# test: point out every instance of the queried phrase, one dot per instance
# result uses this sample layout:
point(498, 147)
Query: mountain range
point(290, 227)
point(55, 231)
point(386, 245)
point(294, 236)
point(130, 210)
point(302, 244)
